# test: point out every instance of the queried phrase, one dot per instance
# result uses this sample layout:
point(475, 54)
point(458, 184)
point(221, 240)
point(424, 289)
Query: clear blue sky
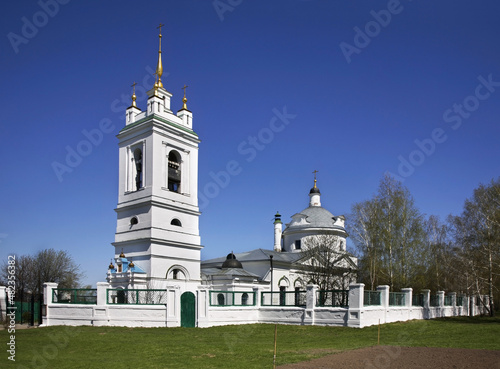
point(360, 101)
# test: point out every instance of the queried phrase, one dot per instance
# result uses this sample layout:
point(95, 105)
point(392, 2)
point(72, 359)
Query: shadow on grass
point(472, 320)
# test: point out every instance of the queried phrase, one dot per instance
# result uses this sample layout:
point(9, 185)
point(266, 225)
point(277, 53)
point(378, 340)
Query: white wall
point(356, 315)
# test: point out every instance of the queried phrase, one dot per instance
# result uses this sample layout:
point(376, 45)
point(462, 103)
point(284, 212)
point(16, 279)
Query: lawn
point(245, 346)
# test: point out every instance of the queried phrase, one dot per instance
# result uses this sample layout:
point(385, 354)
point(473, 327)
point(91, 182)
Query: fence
point(396, 299)
point(136, 297)
point(74, 296)
point(24, 310)
point(284, 298)
point(448, 301)
point(417, 300)
point(232, 298)
point(434, 300)
point(353, 308)
point(371, 298)
point(334, 298)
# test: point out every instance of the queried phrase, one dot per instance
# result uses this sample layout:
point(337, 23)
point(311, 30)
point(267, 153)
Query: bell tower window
point(138, 168)
point(174, 171)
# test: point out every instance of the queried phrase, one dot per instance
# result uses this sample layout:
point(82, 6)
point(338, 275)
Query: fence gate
point(188, 310)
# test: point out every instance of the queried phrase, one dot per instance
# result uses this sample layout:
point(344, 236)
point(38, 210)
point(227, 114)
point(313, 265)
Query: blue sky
point(366, 86)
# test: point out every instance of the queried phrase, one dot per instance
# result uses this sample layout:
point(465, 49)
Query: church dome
point(314, 190)
point(231, 262)
point(318, 217)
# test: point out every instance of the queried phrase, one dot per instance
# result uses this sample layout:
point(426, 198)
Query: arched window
point(299, 301)
point(134, 221)
point(177, 272)
point(220, 299)
point(244, 299)
point(174, 171)
point(138, 168)
point(176, 222)
point(282, 295)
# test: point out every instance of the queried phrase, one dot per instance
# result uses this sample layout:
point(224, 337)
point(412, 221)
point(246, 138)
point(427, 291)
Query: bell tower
point(157, 212)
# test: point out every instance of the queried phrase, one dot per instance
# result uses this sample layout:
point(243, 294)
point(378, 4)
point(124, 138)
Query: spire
point(314, 194)
point(315, 189)
point(159, 67)
point(133, 96)
point(184, 100)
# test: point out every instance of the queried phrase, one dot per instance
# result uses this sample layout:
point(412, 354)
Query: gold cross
point(133, 85)
point(184, 88)
point(161, 25)
point(315, 174)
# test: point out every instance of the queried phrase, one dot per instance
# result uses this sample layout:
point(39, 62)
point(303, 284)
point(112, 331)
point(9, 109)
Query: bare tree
point(45, 266)
point(364, 230)
point(24, 276)
point(325, 264)
point(388, 231)
point(477, 234)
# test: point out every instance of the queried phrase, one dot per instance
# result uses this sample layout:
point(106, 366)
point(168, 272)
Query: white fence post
point(310, 304)
point(3, 303)
point(48, 287)
point(408, 296)
point(427, 297)
point(102, 293)
point(440, 296)
point(356, 305)
point(257, 293)
point(384, 295)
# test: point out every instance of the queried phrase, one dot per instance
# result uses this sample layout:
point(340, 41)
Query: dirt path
point(404, 357)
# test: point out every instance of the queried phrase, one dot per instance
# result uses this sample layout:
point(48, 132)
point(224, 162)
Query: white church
point(157, 278)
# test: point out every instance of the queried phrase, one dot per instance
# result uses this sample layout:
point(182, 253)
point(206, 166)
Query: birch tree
point(477, 233)
point(388, 232)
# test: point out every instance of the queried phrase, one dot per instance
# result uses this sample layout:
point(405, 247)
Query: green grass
point(246, 346)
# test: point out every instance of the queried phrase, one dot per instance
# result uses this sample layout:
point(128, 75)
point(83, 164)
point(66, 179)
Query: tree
point(389, 235)
point(364, 232)
point(439, 255)
point(326, 265)
point(477, 234)
point(45, 266)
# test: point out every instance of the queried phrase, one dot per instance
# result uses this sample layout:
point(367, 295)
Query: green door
point(188, 310)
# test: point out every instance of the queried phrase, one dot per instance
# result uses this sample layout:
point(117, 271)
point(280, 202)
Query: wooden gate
point(188, 310)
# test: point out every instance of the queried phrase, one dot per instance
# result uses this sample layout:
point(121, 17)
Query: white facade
point(157, 212)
